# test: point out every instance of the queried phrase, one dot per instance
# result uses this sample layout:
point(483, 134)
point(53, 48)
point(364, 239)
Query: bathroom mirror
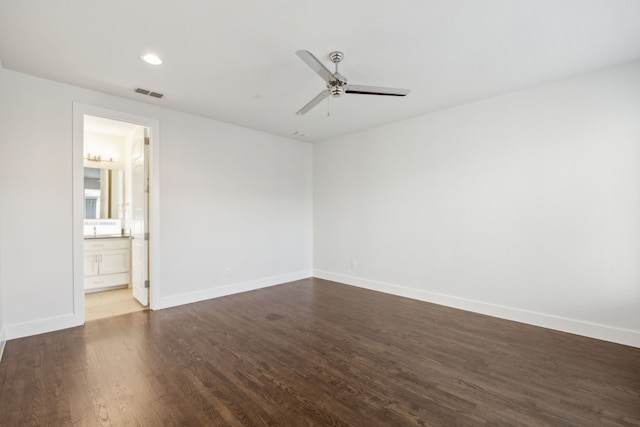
point(103, 193)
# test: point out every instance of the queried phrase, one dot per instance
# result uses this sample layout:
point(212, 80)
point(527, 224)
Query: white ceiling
point(234, 60)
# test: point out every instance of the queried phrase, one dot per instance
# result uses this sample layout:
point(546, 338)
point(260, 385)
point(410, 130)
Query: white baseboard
point(573, 326)
point(191, 297)
point(41, 326)
point(3, 341)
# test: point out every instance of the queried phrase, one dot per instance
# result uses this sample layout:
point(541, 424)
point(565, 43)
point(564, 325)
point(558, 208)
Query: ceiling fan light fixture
point(336, 91)
point(152, 59)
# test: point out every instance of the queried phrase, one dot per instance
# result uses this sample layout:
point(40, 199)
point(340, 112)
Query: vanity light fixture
point(152, 59)
point(98, 158)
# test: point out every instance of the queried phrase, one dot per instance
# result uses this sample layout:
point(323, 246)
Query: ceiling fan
point(337, 83)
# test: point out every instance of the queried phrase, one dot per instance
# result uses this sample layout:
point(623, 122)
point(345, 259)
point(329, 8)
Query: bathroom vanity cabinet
point(107, 263)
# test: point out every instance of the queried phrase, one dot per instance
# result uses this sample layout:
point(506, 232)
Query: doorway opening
point(112, 159)
point(109, 303)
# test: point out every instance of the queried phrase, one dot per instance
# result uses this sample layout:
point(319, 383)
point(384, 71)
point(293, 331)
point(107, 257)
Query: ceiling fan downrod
point(337, 80)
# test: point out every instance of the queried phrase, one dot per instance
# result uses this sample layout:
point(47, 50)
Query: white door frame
point(79, 111)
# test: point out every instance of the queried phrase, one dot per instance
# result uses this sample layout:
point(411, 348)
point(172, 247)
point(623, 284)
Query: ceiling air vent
point(148, 92)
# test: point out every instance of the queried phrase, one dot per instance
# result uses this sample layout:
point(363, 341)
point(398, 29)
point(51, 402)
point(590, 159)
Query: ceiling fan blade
point(315, 65)
point(315, 101)
point(376, 90)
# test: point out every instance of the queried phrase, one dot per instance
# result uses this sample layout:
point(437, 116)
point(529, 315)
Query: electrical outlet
point(228, 271)
point(353, 265)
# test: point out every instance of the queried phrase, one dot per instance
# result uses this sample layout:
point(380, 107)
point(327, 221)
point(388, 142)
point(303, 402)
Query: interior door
point(140, 209)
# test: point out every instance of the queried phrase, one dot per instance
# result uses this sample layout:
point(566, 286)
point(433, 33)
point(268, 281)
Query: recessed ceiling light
point(152, 59)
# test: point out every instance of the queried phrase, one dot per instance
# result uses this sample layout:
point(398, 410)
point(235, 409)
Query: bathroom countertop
point(107, 236)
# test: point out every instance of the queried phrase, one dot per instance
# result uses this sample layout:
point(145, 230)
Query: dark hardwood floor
point(315, 352)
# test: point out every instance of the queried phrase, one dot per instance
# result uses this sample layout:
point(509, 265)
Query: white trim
point(564, 324)
point(40, 326)
point(79, 111)
point(235, 288)
point(3, 341)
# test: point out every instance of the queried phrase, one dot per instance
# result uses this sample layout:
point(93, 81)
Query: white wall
point(234, 198)
point(230, 197)
point(35, 166)
point(524, 206)
point(3, 184)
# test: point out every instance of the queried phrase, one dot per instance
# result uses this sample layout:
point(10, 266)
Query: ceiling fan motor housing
point(336, 84)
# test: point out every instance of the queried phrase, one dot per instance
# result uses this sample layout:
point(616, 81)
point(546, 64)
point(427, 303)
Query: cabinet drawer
point(106, 244)
point(107, 280)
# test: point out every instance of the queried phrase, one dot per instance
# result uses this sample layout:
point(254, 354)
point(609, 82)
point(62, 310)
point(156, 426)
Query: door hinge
point(146, 284)
point(146, 236)
point(146, 140)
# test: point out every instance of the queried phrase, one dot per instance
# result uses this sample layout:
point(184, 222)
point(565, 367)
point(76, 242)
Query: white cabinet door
point(116, 261)
point(106, 263)
point(91, 263)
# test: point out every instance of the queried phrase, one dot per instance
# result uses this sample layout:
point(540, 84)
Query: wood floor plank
point(312, 353)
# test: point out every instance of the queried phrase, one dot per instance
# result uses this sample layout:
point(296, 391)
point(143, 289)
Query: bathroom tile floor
point(99, 305)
